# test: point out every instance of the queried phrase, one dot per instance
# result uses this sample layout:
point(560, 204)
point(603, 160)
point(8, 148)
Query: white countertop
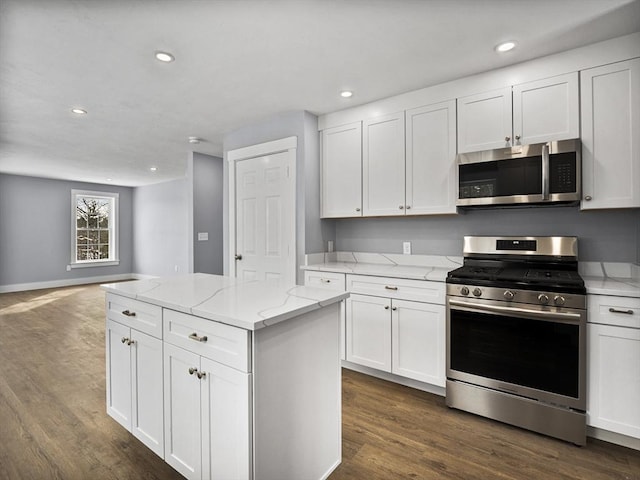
point(250, 305)
point(436, 274)
point(600, 278)
point(415, 267)
point(622, 287)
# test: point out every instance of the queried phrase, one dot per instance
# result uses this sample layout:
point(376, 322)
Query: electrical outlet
point(406, 248)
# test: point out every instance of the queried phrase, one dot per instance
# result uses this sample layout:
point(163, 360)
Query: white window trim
point(113, 222)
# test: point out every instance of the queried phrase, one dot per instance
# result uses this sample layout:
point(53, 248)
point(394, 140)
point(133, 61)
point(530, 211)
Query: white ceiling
point(239, 62)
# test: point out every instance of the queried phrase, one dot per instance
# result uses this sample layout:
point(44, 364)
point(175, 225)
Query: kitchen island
point(225, 378)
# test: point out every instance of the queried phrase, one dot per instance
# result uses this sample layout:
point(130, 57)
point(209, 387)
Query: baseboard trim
point(613, 437)
point(407, 382)
point(21, 287)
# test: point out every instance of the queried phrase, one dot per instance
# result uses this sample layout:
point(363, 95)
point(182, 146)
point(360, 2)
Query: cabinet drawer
point(142, 316)
point(609, 310)
point(217, 341)
point(400, 288)
point(330, 280)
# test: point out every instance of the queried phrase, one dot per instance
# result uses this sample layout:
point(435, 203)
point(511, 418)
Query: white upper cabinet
point(484, 121)
point(610, 115)
point(342, 171)
point(383, 174)
point(534, 112)
point(431, 172)
point(546, 110)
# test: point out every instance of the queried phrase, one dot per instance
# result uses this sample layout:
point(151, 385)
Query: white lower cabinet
point(417, 346)
point(134, 383)
point(207, 432)
point(387, 332)
point(369, 331)
point(613, 332)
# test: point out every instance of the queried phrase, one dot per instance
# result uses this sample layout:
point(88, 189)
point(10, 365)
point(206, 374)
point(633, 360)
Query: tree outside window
point(94, 227)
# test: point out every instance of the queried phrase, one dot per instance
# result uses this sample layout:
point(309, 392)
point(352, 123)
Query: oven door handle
point(516, 311)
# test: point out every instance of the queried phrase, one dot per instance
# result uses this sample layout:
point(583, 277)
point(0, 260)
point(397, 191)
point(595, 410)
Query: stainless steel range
point(516, 334)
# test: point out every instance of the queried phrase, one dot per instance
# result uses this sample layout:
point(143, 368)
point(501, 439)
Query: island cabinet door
point(147, 422)
point(118, 373)
point(182, 415)
point(226, 431)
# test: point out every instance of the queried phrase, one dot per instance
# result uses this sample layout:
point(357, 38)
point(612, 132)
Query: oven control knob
point(464, 291)
point(543, 299)
point(508, 295)
point(558, 300)
point(477, 292)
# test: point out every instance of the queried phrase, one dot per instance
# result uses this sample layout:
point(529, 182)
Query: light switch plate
point(203, 236)
point(406, 248)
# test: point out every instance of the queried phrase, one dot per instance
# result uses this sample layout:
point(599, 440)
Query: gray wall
point(162, 228)
point(35, 230)
point(311, 233)
point(207, 213)
point(604, 235)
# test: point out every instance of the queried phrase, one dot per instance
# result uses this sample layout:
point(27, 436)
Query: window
point(94, 235)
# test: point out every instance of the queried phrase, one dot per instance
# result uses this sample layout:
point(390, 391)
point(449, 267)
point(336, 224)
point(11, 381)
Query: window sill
point(104, 263)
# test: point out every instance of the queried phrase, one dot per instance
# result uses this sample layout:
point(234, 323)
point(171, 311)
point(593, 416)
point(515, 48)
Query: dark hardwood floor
point(53, 423)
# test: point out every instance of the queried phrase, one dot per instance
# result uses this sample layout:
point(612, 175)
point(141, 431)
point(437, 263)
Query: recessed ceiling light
point(505, 46)
point(78, 111)
point(346, 93)
point(153, 169)
point(165, 57)
point(194, 140)
point(109, 179)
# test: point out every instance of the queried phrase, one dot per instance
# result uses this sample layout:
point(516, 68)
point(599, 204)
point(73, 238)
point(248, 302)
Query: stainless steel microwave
point(541, 173)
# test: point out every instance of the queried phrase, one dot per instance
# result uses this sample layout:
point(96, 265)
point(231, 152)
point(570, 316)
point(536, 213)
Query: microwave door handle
point(545, 171)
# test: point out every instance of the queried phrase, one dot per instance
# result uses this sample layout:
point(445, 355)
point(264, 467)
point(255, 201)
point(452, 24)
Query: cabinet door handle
point(194, 336)
point(408, 207)
point(192, 370)
point(238, 257)
point(616, 310)
point(506, 139)
point(390, 288)
point(128, 313)
point(124, 340)
point(517, 137)
point(386, 307)
point(401, 207)
point(201, 375)
point(588, 198)
point(357, 209)
point(394, 308)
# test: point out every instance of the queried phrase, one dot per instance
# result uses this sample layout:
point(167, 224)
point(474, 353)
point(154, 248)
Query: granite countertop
point(250, 305)
point(414, 267)
point(601, 278)
point(610, 278)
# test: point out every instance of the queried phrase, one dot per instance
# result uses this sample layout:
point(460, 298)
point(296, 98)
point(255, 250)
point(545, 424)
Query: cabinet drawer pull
point(626, 312)
point(194, 336)
point(325, 280)
point(390, 288)
point(128, 313)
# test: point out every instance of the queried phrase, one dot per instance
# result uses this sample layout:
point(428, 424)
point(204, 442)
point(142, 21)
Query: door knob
point(238, 256)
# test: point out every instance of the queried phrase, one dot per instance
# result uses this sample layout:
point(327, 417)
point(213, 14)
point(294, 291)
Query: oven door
point(538, 352)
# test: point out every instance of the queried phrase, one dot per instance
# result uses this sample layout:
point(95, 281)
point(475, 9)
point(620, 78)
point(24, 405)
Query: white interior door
point(265, 217)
